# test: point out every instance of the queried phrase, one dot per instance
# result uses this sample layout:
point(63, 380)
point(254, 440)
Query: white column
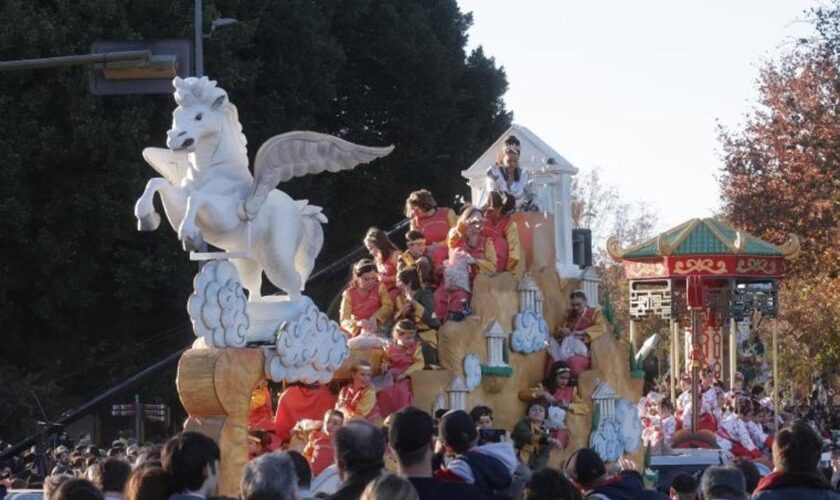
point(552, 186)
point(590, 281)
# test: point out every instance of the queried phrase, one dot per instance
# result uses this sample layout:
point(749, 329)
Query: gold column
point(633, 335)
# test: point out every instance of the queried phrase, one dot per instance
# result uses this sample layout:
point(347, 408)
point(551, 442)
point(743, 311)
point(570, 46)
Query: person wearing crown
point(506, 176)
point(583, 325)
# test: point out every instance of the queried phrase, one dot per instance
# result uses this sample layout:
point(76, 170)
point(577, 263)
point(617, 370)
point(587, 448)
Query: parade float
point(499, 349)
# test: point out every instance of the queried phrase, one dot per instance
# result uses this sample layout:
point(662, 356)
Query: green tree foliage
point(85, 299)
point(782, 175)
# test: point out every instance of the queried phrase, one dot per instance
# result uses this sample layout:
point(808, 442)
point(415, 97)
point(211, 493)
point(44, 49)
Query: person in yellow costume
point(583, 325)
point(466, 235)
point(365, 304)
point(500, 227)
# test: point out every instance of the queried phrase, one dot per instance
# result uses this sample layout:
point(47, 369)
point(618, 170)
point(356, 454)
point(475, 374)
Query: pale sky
point(636, 87)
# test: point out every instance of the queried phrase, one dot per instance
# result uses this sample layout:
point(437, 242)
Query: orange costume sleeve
point(599, 326)
point(487, 265)
point(418, 363)
point(345, 315)
point(383, 314)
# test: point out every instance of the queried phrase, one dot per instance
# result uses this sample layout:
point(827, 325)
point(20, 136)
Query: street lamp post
point(200, 35)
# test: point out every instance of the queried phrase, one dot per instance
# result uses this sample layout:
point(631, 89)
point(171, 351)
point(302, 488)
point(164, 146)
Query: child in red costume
point(319, 450)
point(358, 398)
point(402, 358)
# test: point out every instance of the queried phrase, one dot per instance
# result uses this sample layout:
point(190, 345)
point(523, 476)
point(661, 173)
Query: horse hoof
point(148, 222)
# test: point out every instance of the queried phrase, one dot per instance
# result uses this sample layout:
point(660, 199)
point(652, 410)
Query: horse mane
point(192, 91)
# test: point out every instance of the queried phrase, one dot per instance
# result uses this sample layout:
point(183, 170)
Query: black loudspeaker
point(582, 247)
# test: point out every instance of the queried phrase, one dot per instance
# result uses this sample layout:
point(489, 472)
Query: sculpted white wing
point(295, 154)
point(171, 165)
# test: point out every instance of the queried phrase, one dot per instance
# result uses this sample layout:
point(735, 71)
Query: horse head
point(204, 116)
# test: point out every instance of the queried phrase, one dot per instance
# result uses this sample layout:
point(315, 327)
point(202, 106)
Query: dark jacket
point(626, 486)
point(354, 485)
point(798, 485)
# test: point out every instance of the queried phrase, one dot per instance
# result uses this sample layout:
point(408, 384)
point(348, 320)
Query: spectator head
point(797, 448)
point(191, 460)
point(269, 477)
point(303, 471)
point(585, 467)
point(77, 489)
point(482, 416)
point(458, 432)
point(52, 482)
point(683, 487)
point(751, 473)
point(499, 202)
point(723, 483)
point(388, 486)
point(111, 475)
point(147, 482)
point(549, 484)
point(359, 448)
point(410, 436)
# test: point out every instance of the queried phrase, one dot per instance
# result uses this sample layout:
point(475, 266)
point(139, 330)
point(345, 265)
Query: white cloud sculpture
point(530, 332)
point(309, 349)
point(217, 307)
point(472, 371)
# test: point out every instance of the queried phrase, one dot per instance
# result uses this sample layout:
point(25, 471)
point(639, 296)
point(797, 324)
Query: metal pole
point(678, 340)
point(199, 39)
point(56, 62)
point(675, 362)
point(138, 419)
point(733, 352)
point(774, 327)
point(695, 371)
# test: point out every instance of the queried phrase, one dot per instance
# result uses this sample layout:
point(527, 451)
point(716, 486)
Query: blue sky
point(636, 88)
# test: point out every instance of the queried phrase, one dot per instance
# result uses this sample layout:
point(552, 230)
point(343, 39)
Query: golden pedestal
point(215, 387)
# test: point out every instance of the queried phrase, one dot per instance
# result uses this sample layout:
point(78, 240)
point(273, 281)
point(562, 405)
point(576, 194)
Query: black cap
point(458, 430)
point(410, 429)
point(585, 466)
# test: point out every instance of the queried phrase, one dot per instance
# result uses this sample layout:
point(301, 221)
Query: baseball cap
point(410, 429)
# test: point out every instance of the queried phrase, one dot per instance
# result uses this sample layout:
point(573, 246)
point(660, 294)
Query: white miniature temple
point(530, 296)
point(457, 394)
point(552, 180)
point(606, 396)
point(496, 338)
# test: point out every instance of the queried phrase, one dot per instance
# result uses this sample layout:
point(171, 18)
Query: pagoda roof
point(703, 237)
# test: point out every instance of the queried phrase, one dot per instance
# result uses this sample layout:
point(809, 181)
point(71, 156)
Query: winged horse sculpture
point(209, 195)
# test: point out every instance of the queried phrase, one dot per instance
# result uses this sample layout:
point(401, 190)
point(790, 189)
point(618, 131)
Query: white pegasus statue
point(209, 195)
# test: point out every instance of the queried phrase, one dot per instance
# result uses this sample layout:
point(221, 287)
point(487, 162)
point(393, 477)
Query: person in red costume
point(386, 256)
point(500, 227)
point(260, 413)
point(402, 358)
point(584, 324)
point(300, 401)
point(357, 400)
point(467, 236)
point(431, 220)
point(319, 450)
point(365, 304)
